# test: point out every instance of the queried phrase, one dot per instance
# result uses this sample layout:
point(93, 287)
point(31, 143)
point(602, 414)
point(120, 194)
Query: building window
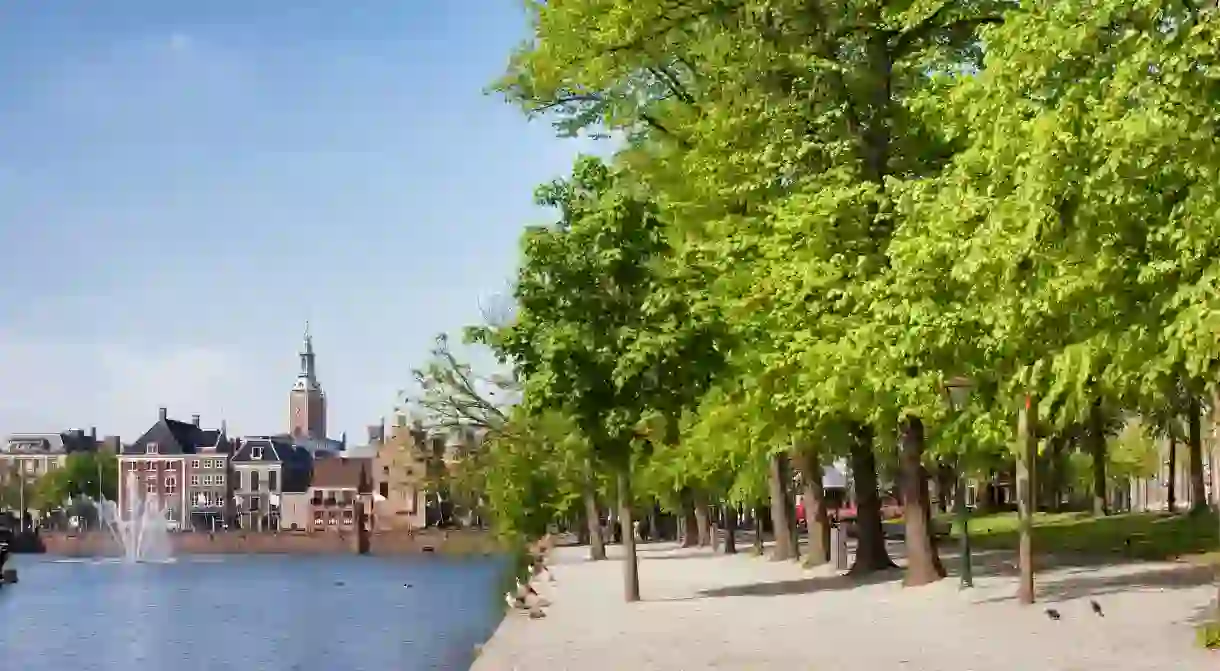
point(150, 486)
point(256, 453)
point(131, 466)
point(194, 480)
point(254, 483)
point(218, 479)
point(347, 517)
point(272, 477)
point(171, 485)
point(194, 464)
point(152, 448)
point(385, 490)
point(207, 479)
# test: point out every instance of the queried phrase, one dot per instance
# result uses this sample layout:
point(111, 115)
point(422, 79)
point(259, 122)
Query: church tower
point(307, 401)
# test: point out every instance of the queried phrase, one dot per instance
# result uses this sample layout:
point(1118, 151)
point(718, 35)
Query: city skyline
point(182, 187)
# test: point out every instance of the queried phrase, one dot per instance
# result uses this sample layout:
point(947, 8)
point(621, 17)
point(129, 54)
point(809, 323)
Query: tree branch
point(924, 30)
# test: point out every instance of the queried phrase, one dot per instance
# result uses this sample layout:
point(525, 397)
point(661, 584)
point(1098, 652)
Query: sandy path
point(705, 611)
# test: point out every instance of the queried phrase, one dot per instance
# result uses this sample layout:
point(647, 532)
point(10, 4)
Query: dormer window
point(256, 453)
point(152, 448)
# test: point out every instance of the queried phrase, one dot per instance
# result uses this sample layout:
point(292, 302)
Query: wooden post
point(1027, 450)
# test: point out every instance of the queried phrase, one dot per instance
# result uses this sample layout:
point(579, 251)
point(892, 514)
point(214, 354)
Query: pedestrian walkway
point(707, 611)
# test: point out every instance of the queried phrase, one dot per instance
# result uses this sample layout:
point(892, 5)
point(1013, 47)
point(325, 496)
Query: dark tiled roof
point(174, 437)
point(272, 450)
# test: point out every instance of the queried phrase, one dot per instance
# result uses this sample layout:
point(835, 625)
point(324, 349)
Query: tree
point(84, 474)
point(582, 292)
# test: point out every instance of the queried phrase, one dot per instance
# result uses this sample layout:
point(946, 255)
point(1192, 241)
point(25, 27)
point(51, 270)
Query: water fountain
point(143, 535)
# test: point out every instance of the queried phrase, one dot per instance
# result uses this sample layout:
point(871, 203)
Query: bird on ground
point(1052, 613)
point(1097, 608)
point(536, 614)
point(512, 601)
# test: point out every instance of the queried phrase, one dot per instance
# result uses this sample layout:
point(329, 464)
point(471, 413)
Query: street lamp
point(958, 391)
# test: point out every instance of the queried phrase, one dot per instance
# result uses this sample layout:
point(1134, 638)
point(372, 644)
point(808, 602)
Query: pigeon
point(512, 601)
point(1097, 608)
point(536, 614)
point(1052, 614)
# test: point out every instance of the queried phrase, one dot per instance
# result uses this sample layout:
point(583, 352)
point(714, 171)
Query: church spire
point(307, 358)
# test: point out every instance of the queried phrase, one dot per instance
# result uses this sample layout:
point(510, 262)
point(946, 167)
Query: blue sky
point(182, 185)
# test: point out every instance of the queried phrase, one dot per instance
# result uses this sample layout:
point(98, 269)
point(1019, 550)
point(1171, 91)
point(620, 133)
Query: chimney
point(93, 434)
point(195, 420)
point(163, 413)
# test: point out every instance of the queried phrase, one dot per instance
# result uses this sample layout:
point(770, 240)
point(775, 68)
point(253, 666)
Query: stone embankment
point(93, 544)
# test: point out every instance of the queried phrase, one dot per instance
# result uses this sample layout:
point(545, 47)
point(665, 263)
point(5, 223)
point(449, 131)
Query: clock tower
point(307, 401)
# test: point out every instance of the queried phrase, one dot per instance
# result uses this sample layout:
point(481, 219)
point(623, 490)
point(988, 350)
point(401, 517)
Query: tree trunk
point(758, 531)
point(816, 520)
point(730, 530)
point(582, 529)
point(631, 567)
point(779, 509)
point(1055, 473)
point(612, 524)
point(1097, 449)
point(597, 548)
point(944, 484)
point(923, 561)
point(871, 554)
point(1194, 438)
point(1028, 445)
point(690, 524)
point(1172, 495)
point(702, 519)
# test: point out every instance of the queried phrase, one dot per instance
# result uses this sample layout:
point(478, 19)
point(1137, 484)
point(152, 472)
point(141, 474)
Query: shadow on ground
point(802, 586)
point(1082, 582)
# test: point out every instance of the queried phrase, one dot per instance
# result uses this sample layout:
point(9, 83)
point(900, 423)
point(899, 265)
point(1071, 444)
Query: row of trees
point(822, 211)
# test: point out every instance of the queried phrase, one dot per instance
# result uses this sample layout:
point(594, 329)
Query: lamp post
point(958, 391)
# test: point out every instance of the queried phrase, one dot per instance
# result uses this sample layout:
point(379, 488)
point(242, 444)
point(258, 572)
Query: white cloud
point(51, 386)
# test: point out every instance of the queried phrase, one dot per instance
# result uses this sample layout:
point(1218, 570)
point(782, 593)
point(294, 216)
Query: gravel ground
point(706, 611)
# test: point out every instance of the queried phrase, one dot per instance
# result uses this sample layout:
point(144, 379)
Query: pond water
point(257, 613)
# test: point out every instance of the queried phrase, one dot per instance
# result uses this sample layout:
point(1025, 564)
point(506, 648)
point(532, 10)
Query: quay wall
point(452, 542)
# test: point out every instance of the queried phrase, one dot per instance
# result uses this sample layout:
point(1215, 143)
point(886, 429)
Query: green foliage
point(604, 332)
point(532, 473)
point(824, 211)
point(79, 477)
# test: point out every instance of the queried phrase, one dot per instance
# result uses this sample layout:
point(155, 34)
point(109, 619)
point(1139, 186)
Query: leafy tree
point(84, 474)
point(589, 293)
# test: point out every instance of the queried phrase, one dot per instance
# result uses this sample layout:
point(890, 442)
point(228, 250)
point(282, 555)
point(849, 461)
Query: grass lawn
point(1151, 535)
